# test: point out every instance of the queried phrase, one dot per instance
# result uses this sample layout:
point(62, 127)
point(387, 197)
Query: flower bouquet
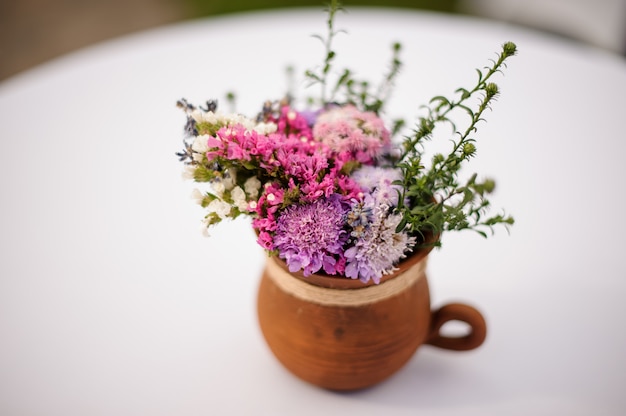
point(332, 193)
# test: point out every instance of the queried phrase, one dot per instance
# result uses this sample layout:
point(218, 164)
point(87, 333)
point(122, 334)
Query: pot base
point(343, 347)
point(341, 336)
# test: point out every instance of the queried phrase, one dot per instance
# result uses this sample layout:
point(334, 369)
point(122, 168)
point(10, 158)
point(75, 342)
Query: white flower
point(200, 144)
point(230, 179)
point(218, 188)
point(266, 128)
point(239, 198)
point(219, 119)
point(205, 227)
point(197, 115)
point(233, 119)
point(220, 208)
point(207, 117)
point(188, 172)
point(197, 196)
point(252, 186)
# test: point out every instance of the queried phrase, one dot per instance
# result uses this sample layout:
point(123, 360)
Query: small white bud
point(200, 144)
point(252, 186)
point(197, 196)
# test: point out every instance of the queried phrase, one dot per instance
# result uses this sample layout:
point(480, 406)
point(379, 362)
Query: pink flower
point(315, 190)
point(265, 240)
point(301, 164)
point(349, 188)
point(293, 124)
point(346, 129)
point(240, 144)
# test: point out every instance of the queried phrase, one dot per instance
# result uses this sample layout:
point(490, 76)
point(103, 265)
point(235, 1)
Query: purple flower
point(310, 116)
point(310, 237)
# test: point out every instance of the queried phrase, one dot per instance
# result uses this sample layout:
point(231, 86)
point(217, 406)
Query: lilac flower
point(379, 182)
point(378, 247)
point(310, 237)
point(310, 116)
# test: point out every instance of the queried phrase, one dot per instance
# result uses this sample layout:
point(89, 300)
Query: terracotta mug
point(340, 334)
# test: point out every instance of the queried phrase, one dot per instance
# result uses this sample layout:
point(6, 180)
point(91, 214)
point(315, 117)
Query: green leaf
point(202, 174)
point(480, 75)
point(465, 94)
point(402, 225)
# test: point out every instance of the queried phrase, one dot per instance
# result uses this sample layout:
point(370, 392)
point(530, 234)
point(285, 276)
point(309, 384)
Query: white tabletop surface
point(112, 303)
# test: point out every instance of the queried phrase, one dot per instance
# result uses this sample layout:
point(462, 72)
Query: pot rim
point(340, 282)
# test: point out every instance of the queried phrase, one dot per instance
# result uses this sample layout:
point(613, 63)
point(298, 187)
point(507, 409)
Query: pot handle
point(457, 312)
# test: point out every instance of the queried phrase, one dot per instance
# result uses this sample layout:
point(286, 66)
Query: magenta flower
point(292, 123)
point(265, 240)
point(304, 165)
point(237, 143)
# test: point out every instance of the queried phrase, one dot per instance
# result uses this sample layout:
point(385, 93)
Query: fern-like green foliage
point(433, 198)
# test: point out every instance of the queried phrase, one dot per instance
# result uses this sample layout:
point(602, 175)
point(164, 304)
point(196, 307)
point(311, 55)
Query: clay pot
point(338, 334)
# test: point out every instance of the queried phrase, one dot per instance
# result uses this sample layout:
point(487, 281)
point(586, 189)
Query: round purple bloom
point(310, 237)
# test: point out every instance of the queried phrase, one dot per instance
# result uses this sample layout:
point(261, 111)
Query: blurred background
point(34, 31)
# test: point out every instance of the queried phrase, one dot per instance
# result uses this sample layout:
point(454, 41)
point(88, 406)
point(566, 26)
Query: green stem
point(333, 7)
point(435, 117)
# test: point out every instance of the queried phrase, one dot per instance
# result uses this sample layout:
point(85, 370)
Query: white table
point(112, 303)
